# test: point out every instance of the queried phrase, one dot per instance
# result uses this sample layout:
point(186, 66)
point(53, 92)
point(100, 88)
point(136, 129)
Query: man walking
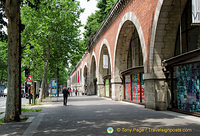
point(65, 95)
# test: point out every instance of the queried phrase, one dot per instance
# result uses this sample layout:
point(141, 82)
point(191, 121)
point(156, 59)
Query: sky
point(89, 7)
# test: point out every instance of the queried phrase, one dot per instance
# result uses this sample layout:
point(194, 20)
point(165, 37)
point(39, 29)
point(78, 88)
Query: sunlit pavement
point(91, 116)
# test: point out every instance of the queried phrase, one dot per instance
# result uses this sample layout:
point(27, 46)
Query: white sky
point(89, 7)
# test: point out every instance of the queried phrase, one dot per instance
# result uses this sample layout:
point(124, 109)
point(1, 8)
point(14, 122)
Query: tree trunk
point(12, 10)
point(44, 89)
point(42, 92)
point(46, 93)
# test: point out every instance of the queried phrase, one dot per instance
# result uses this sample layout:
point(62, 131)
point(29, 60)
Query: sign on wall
point(105, 61)
point(195, 11)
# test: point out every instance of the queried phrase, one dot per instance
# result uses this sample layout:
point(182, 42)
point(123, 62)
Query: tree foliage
point(54, 30)
point(3, 62)
point(11, 10)
point(95, 20)
point(3, 23)
point(51, 27)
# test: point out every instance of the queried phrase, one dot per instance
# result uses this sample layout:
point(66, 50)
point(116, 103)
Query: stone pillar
point(90, 85)
point(100, 90)
point(100, 86)
point(155, 91)
point(117, 90)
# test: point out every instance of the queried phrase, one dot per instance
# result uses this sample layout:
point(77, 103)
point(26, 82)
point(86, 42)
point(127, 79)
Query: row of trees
point(52, 28)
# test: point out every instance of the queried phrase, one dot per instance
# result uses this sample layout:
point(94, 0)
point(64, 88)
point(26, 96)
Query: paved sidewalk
point(91, 115)
point(18, 128)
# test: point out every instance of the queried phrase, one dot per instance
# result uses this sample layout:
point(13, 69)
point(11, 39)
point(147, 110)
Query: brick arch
point(104, 49)
point(93, 59)
point(85, 77)
point(93, 74)
point(83, 69)
point(162, 45)
point(132, 18)
point(164, 30)
point(104, 44)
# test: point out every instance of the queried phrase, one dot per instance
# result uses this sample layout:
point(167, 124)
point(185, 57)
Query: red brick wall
point(144, 10)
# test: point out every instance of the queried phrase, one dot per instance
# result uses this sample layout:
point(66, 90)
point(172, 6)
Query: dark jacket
point(65, 92)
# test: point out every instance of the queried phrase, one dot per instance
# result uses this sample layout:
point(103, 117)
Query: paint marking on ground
point(34, 125)
point(30, 119)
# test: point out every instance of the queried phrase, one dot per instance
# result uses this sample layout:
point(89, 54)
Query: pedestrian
point(70, 92)
point(76, 91)
point(65, 95)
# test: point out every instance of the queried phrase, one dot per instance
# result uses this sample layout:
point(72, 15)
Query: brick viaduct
point(150, 27)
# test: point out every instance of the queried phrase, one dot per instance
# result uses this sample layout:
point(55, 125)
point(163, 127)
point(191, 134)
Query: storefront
point(188, 87)
point(134, 85)
point(184, 80)
point(133, 74)
point(183, 70)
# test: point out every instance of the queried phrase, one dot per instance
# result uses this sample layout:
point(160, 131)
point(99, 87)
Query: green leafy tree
point(95, 20)
point(55, 28)
point(11, 8)
point(12, 11)
point(3, 62)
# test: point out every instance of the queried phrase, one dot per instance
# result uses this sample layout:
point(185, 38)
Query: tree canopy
point(54, 30)
point(95, 20)
point(52, 27)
